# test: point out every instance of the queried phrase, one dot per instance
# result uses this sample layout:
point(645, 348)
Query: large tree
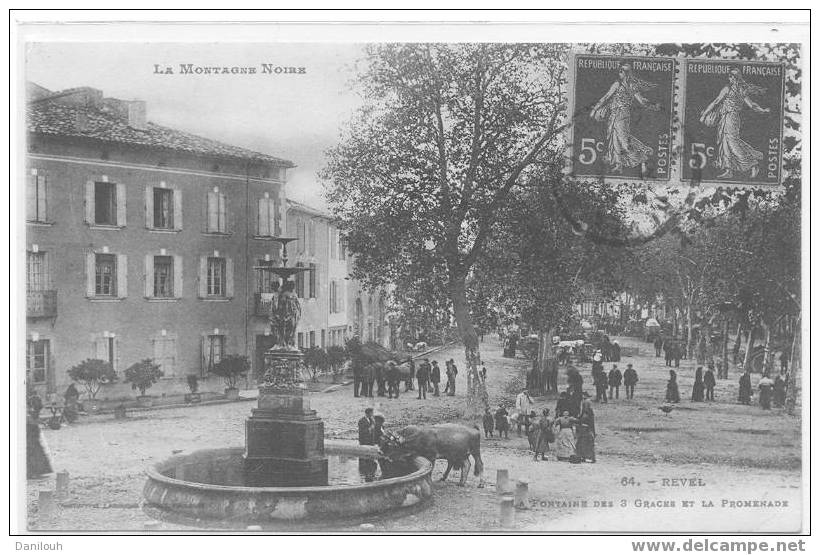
point(446, 132)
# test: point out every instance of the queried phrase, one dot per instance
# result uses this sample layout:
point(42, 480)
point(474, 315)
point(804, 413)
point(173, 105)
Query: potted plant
point(193, 387)
point(230, 369)
point(142, 375)
point(92, 373)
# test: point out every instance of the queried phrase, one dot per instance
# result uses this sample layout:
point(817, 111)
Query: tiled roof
point(302, 207)
point(57, 119)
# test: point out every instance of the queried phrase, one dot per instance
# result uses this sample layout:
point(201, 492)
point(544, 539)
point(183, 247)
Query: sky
point(292, 116)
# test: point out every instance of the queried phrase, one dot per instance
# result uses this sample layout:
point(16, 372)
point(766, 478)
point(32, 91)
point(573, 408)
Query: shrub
point(336, 357)
point(93, 373)
point(316, 360)
point(231, 368)
point(193, 382)
point(143, 375)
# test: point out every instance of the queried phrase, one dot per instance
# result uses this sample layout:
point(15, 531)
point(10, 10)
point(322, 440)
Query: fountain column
point(284, 437)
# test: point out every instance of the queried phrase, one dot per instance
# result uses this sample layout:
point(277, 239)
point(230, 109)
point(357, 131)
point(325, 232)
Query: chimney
point(136, 114)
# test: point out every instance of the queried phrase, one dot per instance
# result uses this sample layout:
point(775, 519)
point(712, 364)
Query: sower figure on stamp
point(615, 108)
point(726, 113)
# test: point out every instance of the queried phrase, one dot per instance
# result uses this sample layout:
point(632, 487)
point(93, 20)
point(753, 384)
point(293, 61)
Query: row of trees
point(449, 183)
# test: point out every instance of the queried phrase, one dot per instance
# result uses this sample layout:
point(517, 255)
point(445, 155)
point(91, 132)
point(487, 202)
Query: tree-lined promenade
point(449, 184)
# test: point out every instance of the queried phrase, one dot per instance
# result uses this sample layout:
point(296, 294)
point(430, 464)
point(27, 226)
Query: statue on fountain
point(289, 311)
point(284, 360)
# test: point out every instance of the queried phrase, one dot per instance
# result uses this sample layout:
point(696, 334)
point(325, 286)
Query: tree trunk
point(725, 349)
point(689, 350)
point(472, 355)
point(767, 338)
point(793, 391)
point(750, 343)
point(736, 348)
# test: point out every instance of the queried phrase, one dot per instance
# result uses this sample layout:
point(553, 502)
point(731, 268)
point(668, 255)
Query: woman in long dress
point(697, 388)
point(543, 435)
point(672, 393)
point(726, 113)
point(586, 433)
point(615, 108)
point(565, 440)
point(37, 459)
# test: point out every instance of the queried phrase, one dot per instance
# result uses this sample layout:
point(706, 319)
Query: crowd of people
point(385, 379)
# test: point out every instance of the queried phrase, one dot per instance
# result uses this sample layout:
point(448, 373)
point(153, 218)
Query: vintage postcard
point(313, 278)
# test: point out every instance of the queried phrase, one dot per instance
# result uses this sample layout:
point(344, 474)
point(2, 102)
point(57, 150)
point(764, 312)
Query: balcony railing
point(262, 304)
point(41, 304)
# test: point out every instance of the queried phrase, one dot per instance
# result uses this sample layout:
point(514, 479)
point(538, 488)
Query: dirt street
point(704, 467)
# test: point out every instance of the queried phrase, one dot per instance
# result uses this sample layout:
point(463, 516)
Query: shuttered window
point(165, 353)
point(37, 359)
point(37, 197)
point(163, 276)
point(105, 275)
point(216, 221)
point(266, 217)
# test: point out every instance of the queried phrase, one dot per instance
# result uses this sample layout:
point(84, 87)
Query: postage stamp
point(733, 122)
point(623, 112)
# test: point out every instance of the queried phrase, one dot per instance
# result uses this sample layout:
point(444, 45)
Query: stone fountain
point(285, 471)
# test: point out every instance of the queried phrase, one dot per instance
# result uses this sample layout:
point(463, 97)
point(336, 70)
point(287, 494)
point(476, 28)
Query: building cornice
point(145, 167)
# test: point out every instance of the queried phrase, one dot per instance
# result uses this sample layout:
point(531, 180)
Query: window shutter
point(203, 359)
point(41, 183)
point(121, 204)
point(177, 209)
point(149, 206)
point(116, 353)
point(149, 275)
point(229, 277)
point(31, 196)
point(122, 276)
point(262, 217)
point(177, 276)
point(213, 222)
point(203, 277)
point(90, 268)
point(89, 202)
point(223, 213)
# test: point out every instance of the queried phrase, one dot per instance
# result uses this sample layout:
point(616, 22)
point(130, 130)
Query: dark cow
point(452, 442)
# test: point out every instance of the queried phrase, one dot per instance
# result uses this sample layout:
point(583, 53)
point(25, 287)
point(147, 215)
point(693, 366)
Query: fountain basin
point(207, 485)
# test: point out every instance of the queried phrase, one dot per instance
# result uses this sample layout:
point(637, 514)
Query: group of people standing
point(613, 380)
point(772, 391)
point(673, 350)
point(384, 379)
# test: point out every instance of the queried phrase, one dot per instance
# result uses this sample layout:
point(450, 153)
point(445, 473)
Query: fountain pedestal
point(284, 438)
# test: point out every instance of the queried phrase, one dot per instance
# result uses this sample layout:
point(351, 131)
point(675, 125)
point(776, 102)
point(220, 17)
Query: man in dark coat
point(408, 382)
point(599, 380)
point(423, 377)
point(667, 351)
point(630, 380)
point(616, 352)
point(658, 345)
point(615, 379)
point(367, 427)
point(779, 391)
point(709, 382)
point(677, 353)
point(744, 395)
point(435, 378)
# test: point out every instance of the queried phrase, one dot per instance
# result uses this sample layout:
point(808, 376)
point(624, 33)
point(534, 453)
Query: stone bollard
point(46, 509)
point(522, 497)
point(62, 483)
point(507, 508)
point(502, 481)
